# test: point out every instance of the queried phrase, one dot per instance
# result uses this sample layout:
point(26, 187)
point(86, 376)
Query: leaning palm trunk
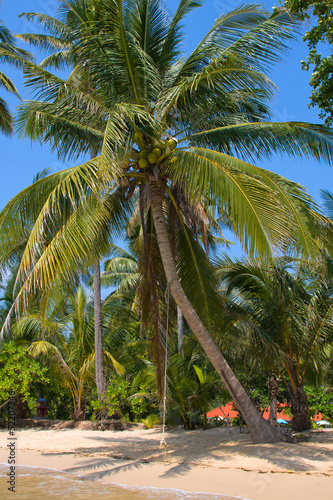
point(261, 431)
point(99, 361)
point(180, 327)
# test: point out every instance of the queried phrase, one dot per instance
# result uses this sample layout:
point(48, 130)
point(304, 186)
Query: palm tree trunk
point(273, 387)
point(99, 360)
point(21, 408)
point(99, 357)
point(301, 420)
point(80, 409)
point(180, 325)
point(261, 431)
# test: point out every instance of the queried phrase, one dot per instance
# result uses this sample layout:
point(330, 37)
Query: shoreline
point(211, 461)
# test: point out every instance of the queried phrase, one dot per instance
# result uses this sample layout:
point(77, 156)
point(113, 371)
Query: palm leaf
point(230, 184)
point(253, 141)
point(6, 119)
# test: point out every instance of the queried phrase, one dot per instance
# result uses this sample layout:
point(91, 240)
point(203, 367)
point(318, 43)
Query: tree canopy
point(320, 41)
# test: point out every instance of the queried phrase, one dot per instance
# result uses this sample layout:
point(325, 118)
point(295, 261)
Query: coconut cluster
point(150, 154)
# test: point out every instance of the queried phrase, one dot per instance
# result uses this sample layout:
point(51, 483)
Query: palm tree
point(145, 98)
point(191, 386)
point(63, 39)
point(287, 319)
point(61, 330)
point(9, 53)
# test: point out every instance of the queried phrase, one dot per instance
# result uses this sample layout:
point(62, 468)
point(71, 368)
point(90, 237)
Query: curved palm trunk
point(99, 361)
point(261, 431)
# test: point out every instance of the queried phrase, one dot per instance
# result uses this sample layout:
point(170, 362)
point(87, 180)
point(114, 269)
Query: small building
point(228, 412)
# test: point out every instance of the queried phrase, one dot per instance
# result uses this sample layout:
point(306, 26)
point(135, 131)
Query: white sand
point(212, 461)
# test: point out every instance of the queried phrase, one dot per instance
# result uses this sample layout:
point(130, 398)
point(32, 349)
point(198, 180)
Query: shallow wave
point(36, 482)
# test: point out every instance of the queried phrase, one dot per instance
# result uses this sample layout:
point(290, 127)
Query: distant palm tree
point(62, 330)
point(168, 125)
point(11, 54)
point(284, 318)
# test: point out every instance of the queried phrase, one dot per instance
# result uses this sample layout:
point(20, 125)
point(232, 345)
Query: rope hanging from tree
point(163, 441)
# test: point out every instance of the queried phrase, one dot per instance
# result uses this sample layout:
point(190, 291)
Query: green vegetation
point(18, 374)
point(172, 143)
point(320, 34)
point(10, 54)
point(286, 316)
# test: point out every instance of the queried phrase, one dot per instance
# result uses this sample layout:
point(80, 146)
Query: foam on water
point(39, 483)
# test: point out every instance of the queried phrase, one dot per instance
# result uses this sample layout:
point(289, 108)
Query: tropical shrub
point(18, 372)
point(320, 399)
point(151, 421)
point(121, 400)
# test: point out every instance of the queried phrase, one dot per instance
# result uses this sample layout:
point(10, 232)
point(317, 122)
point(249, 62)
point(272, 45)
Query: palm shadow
point(218, 449)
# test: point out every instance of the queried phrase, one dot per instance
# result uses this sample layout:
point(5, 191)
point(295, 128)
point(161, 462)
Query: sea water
point(34, 483)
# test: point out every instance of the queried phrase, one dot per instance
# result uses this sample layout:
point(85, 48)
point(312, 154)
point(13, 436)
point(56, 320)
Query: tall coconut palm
point(214, 102)
point(11, 54)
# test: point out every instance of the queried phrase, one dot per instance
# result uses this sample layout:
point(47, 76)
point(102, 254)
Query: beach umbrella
point(323, 422)
point(281, 421)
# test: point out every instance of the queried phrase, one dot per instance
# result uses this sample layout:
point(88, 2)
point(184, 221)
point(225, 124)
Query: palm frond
point(259, 217)
point(120, 370)
point(173, 36)
point(7, 84)
point(328, 202)
point(256, 141)
point(48, 23)
point(6, 119)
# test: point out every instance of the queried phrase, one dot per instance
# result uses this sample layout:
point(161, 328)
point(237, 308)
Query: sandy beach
point(212, 461)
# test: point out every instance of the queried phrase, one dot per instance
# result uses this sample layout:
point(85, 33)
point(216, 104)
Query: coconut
point(138, 137)
point(143, 153)
point(157, 152)
point(143, 163)
point(157, 144)
point(172, 143)
point(152, 158)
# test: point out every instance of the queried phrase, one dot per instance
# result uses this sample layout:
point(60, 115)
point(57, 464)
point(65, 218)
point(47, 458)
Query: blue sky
point(21, 160)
